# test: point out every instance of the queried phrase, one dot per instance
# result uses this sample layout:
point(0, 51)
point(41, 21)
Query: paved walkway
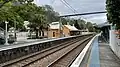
point(101, 55)
point(107, 57)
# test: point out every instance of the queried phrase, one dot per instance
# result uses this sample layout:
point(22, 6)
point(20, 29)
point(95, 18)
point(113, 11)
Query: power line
point(75, 11)
point(84, 14)
point(67, 5)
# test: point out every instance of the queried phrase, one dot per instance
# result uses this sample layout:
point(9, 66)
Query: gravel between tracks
point(44, 62)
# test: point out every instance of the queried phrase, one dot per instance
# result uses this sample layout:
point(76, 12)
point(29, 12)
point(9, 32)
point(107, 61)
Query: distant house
point(54, 30)
point(69, 30)
point(66, 30)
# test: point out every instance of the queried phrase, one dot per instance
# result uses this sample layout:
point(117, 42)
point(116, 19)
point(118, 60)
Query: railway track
point(48, 60)
point(30, 60)
point(67, 58)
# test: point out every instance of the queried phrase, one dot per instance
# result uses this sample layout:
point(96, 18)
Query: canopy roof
point(72, 28)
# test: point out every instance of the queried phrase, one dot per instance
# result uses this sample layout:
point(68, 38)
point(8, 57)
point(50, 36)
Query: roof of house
point(54, 25)
point(72, 28)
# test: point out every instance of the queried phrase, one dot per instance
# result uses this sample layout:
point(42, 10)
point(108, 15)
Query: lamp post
point(6, 33)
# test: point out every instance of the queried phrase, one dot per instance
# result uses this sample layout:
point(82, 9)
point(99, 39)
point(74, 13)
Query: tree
point(3, 2)
point(18, 11)
point(90, 27)
point(7, 13)
point(113, 12)
point(25, 1)
point(77, 25)
point(67, 20)
point(37, 18)
point(82, 24)
point(51, 15)
point(12, 13)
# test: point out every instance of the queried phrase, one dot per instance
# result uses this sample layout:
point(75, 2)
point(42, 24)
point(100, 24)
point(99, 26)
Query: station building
point(56, 30)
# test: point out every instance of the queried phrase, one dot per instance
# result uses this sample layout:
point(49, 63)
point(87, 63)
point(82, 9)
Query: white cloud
point(98, 18)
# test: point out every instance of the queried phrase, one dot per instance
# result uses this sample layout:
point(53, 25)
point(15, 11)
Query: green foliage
point(8, 13)
point(90, 27)
point(64, 21)
point(51, 15)
point(113, 12)
point(82, 24)
point(77, 25)
point(18, 11)
point(25, 1)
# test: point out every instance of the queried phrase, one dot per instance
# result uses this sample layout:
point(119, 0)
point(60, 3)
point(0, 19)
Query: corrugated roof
point(71, 27)
point(54, 25)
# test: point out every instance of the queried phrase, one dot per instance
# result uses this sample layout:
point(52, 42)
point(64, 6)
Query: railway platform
point(102, 55)
point(107, 57)
point(99, 54)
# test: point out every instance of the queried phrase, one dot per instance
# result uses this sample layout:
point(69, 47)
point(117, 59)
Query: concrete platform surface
point(107, 57)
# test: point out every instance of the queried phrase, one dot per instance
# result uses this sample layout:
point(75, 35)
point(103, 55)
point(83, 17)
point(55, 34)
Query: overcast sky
point(81, 6)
